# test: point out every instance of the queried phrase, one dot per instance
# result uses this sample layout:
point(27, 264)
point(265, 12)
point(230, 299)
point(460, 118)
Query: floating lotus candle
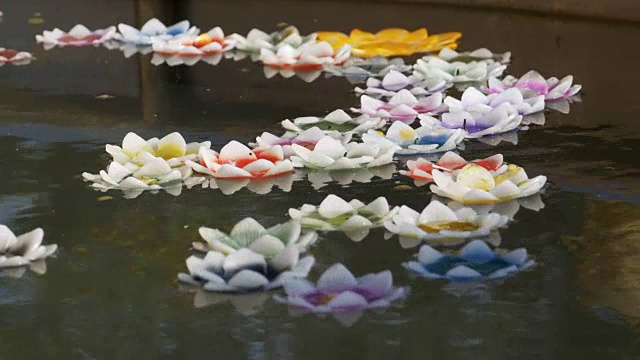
point(79, 35)
point(211, 42)
point(476, 262)
point(173, 148)
point(152, 30)
point(272, 243)
point(353, 217)
point(309, 56)
point(403, 106)
point(481, 121)
point(256, 39)
point(330, 154)
point(307, 138)
point(14, 57)
point(339, 292)
point(473, 100)
point(437, 222)
point(155, 174)
point(236, 161)
point(395, 81)
point(24, 249)
point(409, 141)
point(390, 42)
point(421, 169)
point(432, 67)
point(532, 83)
point(474, 184)
point(337, 120)
point(244, 270)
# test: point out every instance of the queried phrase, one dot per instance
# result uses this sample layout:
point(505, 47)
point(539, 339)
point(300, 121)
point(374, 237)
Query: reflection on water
point(175, 60)
point(508, 208)
point(306, 76)
point(111, 292)
point(262, 186)
point(608, 259)
point(320, 178)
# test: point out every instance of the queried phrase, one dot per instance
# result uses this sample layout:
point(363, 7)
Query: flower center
point(407, 134)
point(476, 177)
point(437, 226)
point(324, 299)
point(8, 53)
point(512, 171)
point(168, 151)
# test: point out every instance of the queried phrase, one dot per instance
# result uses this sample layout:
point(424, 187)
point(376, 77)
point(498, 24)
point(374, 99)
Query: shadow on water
point(111, 292)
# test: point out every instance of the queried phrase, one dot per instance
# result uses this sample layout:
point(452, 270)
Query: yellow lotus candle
point(390, 42)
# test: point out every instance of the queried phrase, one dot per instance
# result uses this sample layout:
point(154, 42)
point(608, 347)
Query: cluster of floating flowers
point(284, 52)
point(182, 43)
point(252, 258)
point(403, 111)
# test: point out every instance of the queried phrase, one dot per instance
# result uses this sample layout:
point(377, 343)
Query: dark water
point(111, 291)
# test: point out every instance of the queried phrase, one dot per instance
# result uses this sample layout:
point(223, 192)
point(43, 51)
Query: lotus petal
point(288, 232)
point(337, 279)
point(429, 255)
point(506, 190)
point(248, 280)
point(463, 273)
point(27, 243)
point(298, 287)
point(394, 81)
point(12, 261)
point(374, 286)
point(267, 245)
point(7, 238)
point(347, 301)
point(333, 206)
point(246, 231)
point(436, 211)
point(243, 259)
point(338, 117)
point(378, 207)
point(475, 177)
point(516, 257)
point(330, 147)
point(172, 145)
point(402, 133)
point(478, 252)
point(133, 144)
point(356, 222)
point(312, 158)
point(154, 169)
point(286, 259)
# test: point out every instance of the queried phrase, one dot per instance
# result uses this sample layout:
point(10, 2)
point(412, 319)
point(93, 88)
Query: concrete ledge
point(627, 10)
